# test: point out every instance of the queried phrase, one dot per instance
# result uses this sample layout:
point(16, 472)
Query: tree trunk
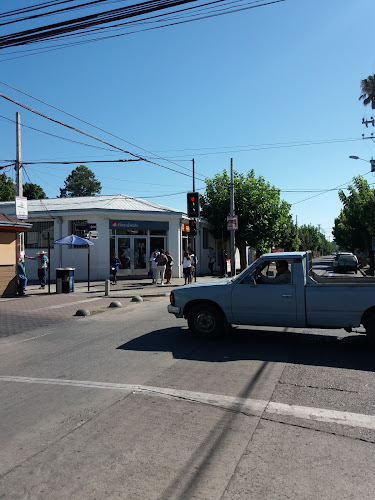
point(243, 255)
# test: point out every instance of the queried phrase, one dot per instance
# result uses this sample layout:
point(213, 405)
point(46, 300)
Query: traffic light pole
point(194, 246)
point(232, 233)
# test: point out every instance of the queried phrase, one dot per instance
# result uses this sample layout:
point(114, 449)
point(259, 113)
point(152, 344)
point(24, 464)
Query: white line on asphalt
point(255, 406)
point(65, 305)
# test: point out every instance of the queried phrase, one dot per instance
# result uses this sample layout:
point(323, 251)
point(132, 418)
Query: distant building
point(131, 227)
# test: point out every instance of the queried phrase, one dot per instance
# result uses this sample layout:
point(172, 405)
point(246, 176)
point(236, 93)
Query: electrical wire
point(89, 135)
point(139, 22)
point(198, 174)
point(325, 191)
point(57, 136)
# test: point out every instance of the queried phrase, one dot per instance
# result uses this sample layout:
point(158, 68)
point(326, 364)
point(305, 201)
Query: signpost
point(21, 207)
point(232, 223)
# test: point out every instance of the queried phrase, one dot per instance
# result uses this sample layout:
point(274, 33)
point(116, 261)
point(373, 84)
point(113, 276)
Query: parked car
point(344, 262)
point(307, 300)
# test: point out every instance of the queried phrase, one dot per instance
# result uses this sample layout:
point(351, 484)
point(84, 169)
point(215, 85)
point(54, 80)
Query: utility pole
point(232, 233)
point(18, 167)
point(194, 246)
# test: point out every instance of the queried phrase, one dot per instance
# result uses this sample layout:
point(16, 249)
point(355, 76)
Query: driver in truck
point(282, 275)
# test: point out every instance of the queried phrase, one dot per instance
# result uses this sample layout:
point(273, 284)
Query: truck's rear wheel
point(369, 325)
point(206, 321)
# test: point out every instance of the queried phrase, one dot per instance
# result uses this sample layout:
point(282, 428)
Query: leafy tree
point(33, 191)
point(368, 91)
point(289, 239)
point(263, 218)
point(310, 237)
point(355, 226)
point(7, 188)
point(81, 182)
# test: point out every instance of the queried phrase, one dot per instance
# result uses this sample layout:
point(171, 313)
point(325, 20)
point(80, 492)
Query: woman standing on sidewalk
point(161, 260)
point(115, 263)
point(154, 267)
point(186, 267)
point(168, 269)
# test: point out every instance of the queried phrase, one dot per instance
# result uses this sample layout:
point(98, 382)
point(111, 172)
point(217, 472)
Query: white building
point(131, 227)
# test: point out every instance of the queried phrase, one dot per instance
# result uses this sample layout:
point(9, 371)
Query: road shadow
point(351, 352)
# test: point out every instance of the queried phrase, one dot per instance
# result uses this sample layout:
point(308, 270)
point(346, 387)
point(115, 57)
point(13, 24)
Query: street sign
point(21, 207)
point(232, 223)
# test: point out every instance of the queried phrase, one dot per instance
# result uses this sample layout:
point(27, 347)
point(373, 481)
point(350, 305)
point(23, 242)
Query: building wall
point(8, 261)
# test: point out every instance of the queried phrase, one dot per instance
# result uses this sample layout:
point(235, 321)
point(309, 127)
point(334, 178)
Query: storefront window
point(37, 235)
point(125, 232)
point(157, 232)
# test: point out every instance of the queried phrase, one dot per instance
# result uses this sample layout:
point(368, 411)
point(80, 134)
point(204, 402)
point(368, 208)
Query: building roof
point(119, 202)
point(12, 224)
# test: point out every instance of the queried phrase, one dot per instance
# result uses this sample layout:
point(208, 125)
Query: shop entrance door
point(131, 251)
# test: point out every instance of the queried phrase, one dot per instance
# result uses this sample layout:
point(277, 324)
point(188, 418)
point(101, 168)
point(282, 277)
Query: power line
point(325, 191)
point(89, 135)
point(98, 128)
point(196, 17)
point(57, 136)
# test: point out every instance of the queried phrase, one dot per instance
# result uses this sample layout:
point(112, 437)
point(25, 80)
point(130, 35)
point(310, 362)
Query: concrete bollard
point(82, 312)
point(116, 303)
point(107, 287)
point(137, 298)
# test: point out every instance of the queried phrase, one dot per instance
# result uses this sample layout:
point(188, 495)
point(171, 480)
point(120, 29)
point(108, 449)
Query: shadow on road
point(350, 352)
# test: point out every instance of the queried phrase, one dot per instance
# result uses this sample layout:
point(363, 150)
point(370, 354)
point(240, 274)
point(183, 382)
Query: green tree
point(355, 226)
point(263, 218)
point(289, 239)
point(7, 188)
point(81, 182)
point(310, 237)
point(368, 91)
point(33, 191)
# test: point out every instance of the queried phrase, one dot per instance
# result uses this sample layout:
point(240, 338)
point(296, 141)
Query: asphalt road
point(324, 267)
point(126, 404)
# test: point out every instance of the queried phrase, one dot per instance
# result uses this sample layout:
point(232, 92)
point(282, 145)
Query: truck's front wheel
point(206, 321)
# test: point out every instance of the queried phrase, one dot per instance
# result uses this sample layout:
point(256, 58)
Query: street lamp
point(372, 161)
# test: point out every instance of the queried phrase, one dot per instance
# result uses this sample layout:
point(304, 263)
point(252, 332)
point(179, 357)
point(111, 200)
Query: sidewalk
point(124, 288)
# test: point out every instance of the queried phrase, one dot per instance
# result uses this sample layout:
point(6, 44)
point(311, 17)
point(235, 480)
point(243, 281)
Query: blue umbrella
point(76, 240)
point(72, 240)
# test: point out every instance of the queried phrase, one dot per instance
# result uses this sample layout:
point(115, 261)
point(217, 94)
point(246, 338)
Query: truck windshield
point(242, 274)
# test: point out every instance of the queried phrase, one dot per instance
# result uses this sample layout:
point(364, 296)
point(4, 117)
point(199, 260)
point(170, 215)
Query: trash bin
point(65, 280)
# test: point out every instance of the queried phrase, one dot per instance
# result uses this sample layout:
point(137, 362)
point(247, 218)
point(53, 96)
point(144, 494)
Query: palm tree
point(368, 91)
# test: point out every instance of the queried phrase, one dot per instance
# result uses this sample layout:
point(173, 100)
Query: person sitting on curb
point(42, 262)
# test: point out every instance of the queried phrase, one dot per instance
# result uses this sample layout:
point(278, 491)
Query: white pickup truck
point(252, 298)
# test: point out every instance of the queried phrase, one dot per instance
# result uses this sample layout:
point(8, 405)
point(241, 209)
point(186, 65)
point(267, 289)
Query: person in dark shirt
point(282, 277)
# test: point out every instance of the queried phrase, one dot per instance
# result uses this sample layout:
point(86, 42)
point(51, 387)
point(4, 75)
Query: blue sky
point(210, 90)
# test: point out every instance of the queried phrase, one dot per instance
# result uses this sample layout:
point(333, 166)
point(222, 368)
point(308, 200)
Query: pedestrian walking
point(168, 268)
point(153, 267)
point(161, 260)
point(186, 267)
point(115, 264)
point(42, 262)
point(211, 259)
point(21, 277)
point(194, 262)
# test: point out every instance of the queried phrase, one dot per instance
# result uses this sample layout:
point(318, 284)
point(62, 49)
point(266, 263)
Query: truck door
point(264, 303)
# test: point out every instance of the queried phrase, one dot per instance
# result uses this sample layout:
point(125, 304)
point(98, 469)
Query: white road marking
point(255, 407)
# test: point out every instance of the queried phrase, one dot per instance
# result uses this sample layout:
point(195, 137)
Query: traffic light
point(192, 227)
point(193, 205)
